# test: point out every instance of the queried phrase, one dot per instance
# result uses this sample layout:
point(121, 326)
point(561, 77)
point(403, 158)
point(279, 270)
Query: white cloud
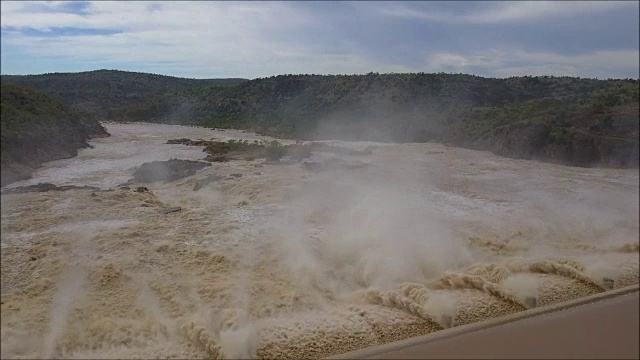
point(509, 11)
point(240, 39)
point(212, 38)
point(501, 63)
point(141, 15)
point(533, 10)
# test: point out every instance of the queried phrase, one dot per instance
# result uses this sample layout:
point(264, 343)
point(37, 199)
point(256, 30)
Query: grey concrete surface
point(603, 326)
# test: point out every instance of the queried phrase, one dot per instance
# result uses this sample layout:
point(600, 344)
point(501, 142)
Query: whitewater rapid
point(284, 262)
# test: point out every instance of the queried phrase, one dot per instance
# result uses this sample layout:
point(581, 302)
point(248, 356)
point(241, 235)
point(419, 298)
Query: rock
point(167, 171)
point(237, 175)
point(220, 158)
point(206, 181)
point(45, 187)
point(179, 141)
point(171, 209)
point(94, 194)
point(188, 142)
point(141, 189)
point(257, 173)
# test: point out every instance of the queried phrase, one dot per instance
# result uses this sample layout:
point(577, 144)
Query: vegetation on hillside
point(293, 105)
point(102, 90)
point(562, 119)
point(221, 151)
point(35, 128)
point(601, 128)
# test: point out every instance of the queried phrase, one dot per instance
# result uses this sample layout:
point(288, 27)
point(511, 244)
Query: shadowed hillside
point(598, 129)
point(36, 129)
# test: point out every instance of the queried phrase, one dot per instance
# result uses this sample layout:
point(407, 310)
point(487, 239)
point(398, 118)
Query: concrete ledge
point(433, 344)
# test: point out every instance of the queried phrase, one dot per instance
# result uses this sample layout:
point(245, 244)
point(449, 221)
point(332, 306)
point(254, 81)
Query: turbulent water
point(284, 262)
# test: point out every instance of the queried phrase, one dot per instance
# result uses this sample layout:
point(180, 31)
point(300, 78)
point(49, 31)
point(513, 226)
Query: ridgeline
point(573, 121)
point(102, 90)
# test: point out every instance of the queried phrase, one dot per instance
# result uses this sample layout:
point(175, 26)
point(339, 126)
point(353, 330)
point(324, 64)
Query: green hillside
point(561, 119)
point(294, 105)
point(568, 120)
point(36, 128)
point(599, 129)
point(101, 90)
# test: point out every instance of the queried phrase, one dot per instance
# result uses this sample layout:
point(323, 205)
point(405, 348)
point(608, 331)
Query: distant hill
point(568, 120)
point(561, 119)
point(101, 90)
point(36, 128)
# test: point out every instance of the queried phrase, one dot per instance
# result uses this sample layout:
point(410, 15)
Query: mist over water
point(113, 159)
point(264, 264)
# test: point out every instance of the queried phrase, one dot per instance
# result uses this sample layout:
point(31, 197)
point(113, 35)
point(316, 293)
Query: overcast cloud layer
point(257, 39)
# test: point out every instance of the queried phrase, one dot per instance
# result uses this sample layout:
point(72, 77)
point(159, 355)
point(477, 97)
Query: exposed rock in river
point(44, 187)
point(167, 171)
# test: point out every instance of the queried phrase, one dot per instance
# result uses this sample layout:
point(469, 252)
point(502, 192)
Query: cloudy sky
point(258, 38)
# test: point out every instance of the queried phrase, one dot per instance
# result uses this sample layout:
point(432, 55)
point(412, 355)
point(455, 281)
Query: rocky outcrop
point(46, 187)
point(584, 139)
point(188, 142)
point(167, 171)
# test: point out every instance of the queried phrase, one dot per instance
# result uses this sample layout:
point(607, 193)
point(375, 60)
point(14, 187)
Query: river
point(276, 260)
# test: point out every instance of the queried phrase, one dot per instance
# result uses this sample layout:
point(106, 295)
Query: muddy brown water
point(282, 262)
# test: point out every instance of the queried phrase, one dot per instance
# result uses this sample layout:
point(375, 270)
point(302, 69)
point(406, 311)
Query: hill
point(598, 129)
point(560, 119)
point(568, 120)
point(101, 90)
point(36, 128)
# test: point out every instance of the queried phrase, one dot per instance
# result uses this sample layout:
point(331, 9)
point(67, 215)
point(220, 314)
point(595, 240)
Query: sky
point(253, 39)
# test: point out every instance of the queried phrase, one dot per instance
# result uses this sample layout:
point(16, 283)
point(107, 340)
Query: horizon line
point(312, 74)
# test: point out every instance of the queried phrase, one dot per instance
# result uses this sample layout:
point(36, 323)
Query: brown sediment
point(148, 284)
point(476, 294)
